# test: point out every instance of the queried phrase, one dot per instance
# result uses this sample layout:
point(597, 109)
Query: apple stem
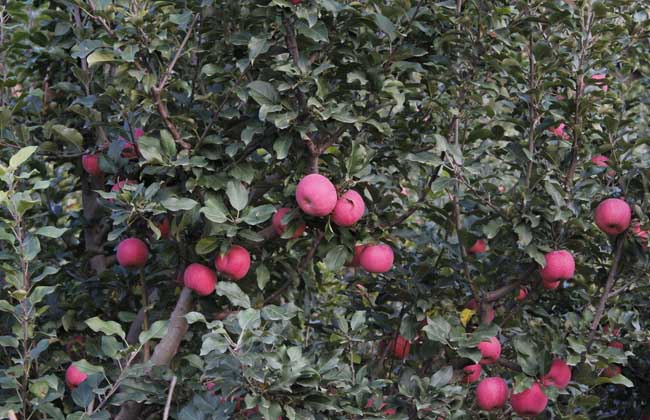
point(145, 307)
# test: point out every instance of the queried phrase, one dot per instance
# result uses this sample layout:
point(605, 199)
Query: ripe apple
point(296, 2)
point(523, 292)
point(200, 278)
point(617, 345)
point(613, 216)
point(490, 350)
point(615, 331)
point(279, 227)
point(377, 258)
point(400, 347)
point(74, 377)
point(235, 263)
point(551, 285)
point(132, 252)
point(559, 375)
point(479, 247)
point(349, 209)
point(90, 163)
point(356, 260)
point(164, 227)
point(611, 371)
point(600, 160)
point(530, 402)
point(117, 187)
point(559, 266)
point(316, 195)
point(643, 235)
point(472, 373)
point(491, 393)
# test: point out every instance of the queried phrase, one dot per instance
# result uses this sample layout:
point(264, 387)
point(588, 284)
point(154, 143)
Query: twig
point(169, 398)
point(510, 365)
point(170, 67)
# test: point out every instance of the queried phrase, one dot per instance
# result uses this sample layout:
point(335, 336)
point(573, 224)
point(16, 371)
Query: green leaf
point(206, 245)
point(237, 195)
point(39, 292)
point(358, 320)
point(249, 319)
point(21, 156)
point(385, 25)
point(234, 294)
point(70, 135)
point(442, 377)
point(8, 341)
point(259, 214)
point(168, 144)
point(280, 313)
point(157, 330)
point(51, 231)
point(263, 276)
point(438, 329)
point(263, 92)
point(176, 204)
point(150, 149)
point(106, 327)
point(336, 257)
point(100, 57)
point(257, 46)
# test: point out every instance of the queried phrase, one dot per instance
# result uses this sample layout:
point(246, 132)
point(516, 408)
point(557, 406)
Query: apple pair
point(492, 393)
point(235, 264)
point(317, 196)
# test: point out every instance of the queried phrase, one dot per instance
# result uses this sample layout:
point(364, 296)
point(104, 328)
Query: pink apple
point(472, 373)
point(643, 235)
point(599, 81)
point(613, 216)
point(600, 160)
point(491, 393)
point(120, 184)
point(279, 227)
point(356, 260)
point(523, 292)
point(530, 402)
point(316, 195)
point(164, 227)
point(349, 209)
point(90, 163)
point(617, 345)
point(479, 247)
point(559, 375)
point(132, 252)
point(559, 131)
point(400, 347)
point(235, 263)
point(74, 377)
point(559, 266)
point(551, 285)
point(377, 258)
point(200, 279)
point(490, 351)
point(137, 133)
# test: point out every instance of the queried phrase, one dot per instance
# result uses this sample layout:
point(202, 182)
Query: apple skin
point(316, 195)
point(617, 345)
point(400, 347)
point(349, 209)
point(90, 163)
point(472, 373)
point(490, 350)
point(117, 187)
point(615, 331)
point(479, 247)
point(296, 2)
point(279, 227)
point(613, 216)
point(491, 393)
point(560, 265)
point(356, 260)
point(559, 375)
point(74, 377)
point(164, 227)
point(200, 278)
point(523, 293)
point(377, 258)
point(600, 160)
point(530, 402)
point(641, 234)
point(235, 263)
point(551, 285)
point(132, 252)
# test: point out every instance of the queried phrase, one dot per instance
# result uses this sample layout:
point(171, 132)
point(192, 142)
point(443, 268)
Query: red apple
point(349, 209)
point(643, 235)
point(200, 279)
point(377, 258)
point(600, 160)
point(479, 247)
point(472, 373)
point(296, 2)
point(523, 292)
point(490, 350)
point(90, 163)
point(617, 345)
point(316, 195)
point(132, 252)
point(356, 260)
point(615, 332)
point(235, 263)
point(613, 216)
point(137, 133)
point(74, 377)
point(551, 285)
point(559, 375)
point(530, 402)
point(279, 227)
point(611, 371)
point(120, 184)
point(559, 266)
point(400, 347)
point(491, 393)
point(164, 227)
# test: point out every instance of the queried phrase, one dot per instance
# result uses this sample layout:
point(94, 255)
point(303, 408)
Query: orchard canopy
point(324, 209)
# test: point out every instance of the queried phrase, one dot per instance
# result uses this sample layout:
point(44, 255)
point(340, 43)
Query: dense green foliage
point(455, 120)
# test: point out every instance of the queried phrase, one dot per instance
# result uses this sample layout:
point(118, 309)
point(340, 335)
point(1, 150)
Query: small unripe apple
point(164, 227)
point(560, 265)
point(74, 377)
point(349, 209)
point(356, 260)
point(316, 195)
point(600, 160)
point(611, 371)
point(479, 247)
point(472, 373)
point(523, 292)
point(132, 252)
point(200, 279)
point(530, 402)
point(613, 216)
point(90, 163)
point(377, 258)
point(490, 351)
point(491, 393)
point(400, 347)
point(559, 375)
point(235, 263)
point(279, 227)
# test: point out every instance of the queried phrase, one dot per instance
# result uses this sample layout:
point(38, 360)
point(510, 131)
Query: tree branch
point(170, 67)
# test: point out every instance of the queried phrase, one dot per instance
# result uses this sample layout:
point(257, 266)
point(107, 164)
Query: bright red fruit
point(617, 345)
point(358, 250)
point(472, 373)
point(235, 263)
point(164, 227)
point(559, 375)
point(400, 347)
point(523, 292)
point(613, 216)
point(73, 376)
point(600, 160)
point(349, 209)
point(200, 278)
point(491, 393)
point(316, 195)
point(90, 163)
point(117, 187)
point(479, 247)
point(132, 252)
point(377, 258)
point(560, 265)
point(279, 227)
point(490, 350)
point(530, 402)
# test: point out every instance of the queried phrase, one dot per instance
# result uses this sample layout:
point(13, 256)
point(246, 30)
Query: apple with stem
point(349, 209)
point(316, 195)
point(235, 263)
point(200, 278)
point(559, 375)
point(490, 351)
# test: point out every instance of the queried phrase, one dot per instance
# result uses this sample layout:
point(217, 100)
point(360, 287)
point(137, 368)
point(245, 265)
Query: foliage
point(455, 121)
